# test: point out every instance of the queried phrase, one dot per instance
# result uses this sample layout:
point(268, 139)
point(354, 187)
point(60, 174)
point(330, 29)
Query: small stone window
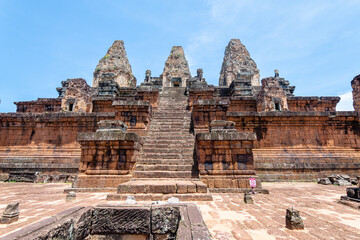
point(277, 106)
point(208, 166)
point(70, 104)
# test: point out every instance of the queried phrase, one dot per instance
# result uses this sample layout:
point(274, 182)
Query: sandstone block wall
point(44, 142)
point(108, 153)
point(292, 145)
point(135, 114)
point(40, 105)
point(225, 160)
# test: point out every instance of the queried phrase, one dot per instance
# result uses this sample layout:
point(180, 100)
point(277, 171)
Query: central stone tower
point(176, 71)
point(238, 63)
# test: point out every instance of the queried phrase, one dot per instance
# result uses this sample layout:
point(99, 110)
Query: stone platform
point(227, 216)
point(162, 189)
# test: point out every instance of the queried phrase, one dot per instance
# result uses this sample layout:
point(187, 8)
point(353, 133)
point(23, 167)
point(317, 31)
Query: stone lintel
point(110, 136)
point(226, 136)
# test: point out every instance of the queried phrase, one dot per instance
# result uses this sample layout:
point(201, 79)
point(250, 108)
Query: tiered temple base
point(166, 167)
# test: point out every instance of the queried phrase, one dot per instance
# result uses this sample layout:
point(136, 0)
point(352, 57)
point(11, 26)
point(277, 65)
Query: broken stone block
point(173, 200)
point(165, 220)
point(130, 200)
point(341, 182)
point(11, 214)
point(333, 177)
point(222, 126)
point(354, 181)
point(71, 196)
point(293, 219)
point(345, 176)
point(111, 126)
point(248, 199)
point(324, 181)
point(121, 220)
point(353, 192)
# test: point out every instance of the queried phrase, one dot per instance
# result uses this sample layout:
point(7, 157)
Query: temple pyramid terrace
point(172, 141)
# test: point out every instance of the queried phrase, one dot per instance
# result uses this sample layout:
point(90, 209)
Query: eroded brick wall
point(40, 105)
point(225, 160)
point(135, 114)
point(44, 142)
point(292, 145)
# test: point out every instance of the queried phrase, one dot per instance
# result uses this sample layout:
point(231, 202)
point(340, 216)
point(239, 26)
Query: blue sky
point(314, 44)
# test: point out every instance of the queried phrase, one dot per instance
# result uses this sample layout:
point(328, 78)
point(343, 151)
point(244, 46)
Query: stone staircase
point(165, 166)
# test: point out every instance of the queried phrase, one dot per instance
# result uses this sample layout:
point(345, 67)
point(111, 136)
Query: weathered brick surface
point(225, 159)
point(39, 106)
point(292, 145)
point(135, 114)
point(44, 142)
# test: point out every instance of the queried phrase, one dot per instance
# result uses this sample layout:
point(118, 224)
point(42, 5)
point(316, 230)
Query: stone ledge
point(292, 114)
point(237, 190)
point(327, 98)
point(110, 136)
point(229, 136)
point(204, 102)
point(130, 103)
point(58, 114)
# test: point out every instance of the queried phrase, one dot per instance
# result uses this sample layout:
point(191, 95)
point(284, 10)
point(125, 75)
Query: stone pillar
point(147, 76)
point(355, 84)
point(107, 156)
point(136, 114)
point(225, 159)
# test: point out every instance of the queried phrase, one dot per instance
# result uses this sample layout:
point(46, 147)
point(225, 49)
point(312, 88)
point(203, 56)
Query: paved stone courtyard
point(227, 217)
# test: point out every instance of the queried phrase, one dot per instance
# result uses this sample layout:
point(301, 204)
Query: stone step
point(168, 141)
point(162, 174)
point(168, 150)
point(172, 109)
point(163, 167)
point(173, 124)
point(176, 137)
point(161, 197)
point(166, 161)
point(171, 137)
point(163, 112)
point(166, 186)
point(154, 131)
point(172, 145)
point(172, 114)
point(172, 120)
point(165, 156)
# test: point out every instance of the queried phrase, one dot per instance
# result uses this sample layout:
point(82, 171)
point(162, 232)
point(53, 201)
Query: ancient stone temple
point(176, 135)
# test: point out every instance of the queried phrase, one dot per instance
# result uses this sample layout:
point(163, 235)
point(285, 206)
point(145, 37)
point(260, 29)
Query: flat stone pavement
point(227, 217)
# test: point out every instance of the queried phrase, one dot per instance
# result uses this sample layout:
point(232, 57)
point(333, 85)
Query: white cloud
point(346, 102)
